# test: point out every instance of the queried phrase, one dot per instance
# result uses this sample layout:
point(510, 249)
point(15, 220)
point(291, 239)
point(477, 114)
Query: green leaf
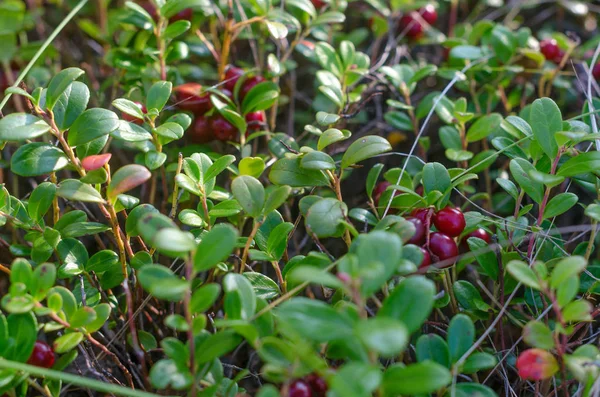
point(169, 132)
point(287, 171)
point(162, 283)
point(546, 179)
point(217, 345)
point(410, 302)
point(355, 379)
point(128, 107)
point(434, 348)
point(520, 169)
point(385, 336)
point(18, 127)
point(127, 178)
point(560, 204)
point(503, 42)
point(317, 161)
point(331, 136)
point(421, 378)
point(102, 261)
point(67, 342)
point(37, 158)
point(176, 29)
point(82, 316)
point(264, 287)
point(92, 124)
point(314, 320)
point(72, 189)
point(581, 164)
point(261, 97)
point(40, 201)
point(483, 127)
point(131, 132)
point(577, 311)
point(250, 193)
point(278, 239)
point(566, 268)
point(240, 300)
point(523, 273)
point(325, 216)
point(59, 84)
point(461, 336)
point(436, 177)
point(365, 148)
point(204, 297)
point(471, 390)
point(158, 95)
point(22, 334)
point(537, 334)
point(276, 198)
point(70, 105)
point(219, 166)
point(546, 121)
point(487, 259)
point(252, 166)
point(468, 296)
point(166, 373)
point(216, 246)
point(478, 361)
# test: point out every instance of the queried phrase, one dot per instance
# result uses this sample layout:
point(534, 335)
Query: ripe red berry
point(202, 132)
point(450, 221)
point(480, 233)
point(378, 190)
point(426, 258)
point(429, 14)
point(596, 71)
point(317, 384)
point(422, 214)
point(415, 29)
point(190, 97)
point(250, 84)
point(536, 364)
point(132, 119)
point(442, 246)
point(42, 355)
point(223, 129)
point(232, 75)
point(419, 237)
point(318, 4)
point(299, 388)
point(550, 49)
point(255, 121)
point(183, 15)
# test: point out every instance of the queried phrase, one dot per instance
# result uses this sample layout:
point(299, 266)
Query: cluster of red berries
point(414, 24)
point(42, 355)
point(191, 97)
point(551, 51)
point(310, 386)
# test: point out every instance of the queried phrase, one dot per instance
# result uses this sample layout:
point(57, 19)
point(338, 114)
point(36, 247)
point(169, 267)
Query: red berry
point(299, 388)
point(318, 4)
point(536, 364)
point(378, 190)
point(317, 384)
point(232, 75)
point(442, 246)
point(559, 57)
point(596, 71)
point(132, 119)
point(429, 14)
point(183, 15)
point(450, 221)
point(249, 84)
point(190, 97)
point(549, 48)
point(415, 29)
point(419, 237)
point(480, 233)
point(255, 121)
point(150, 9)
point(223, 129)
point(202, 133)
point(422, 214)
point(426, 258)
point(42, 355)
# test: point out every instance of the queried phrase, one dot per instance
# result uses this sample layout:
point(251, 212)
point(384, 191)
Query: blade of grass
point(41, 50)
point(74, 379)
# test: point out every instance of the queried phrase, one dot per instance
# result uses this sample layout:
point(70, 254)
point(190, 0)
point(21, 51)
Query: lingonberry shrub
point(212, 198)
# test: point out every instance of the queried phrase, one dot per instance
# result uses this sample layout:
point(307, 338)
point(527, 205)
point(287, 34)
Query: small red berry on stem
point(318, 4)
point(414, 26)
point(255, 121)
point(202, 132)
point(536, 364)
point(42, 355)
point(419, 237)
point(232, 75)
point(299, 388)
point(223, 129)
point(429, 14)
point(550, 49)
point(190, 97)
point(426, 258)
point(450, 221)
point(317, 384)
point(480, 233)
point(442, 246)
point(423, 214)
point(596, 71)
point(183, 15)
point(378, 190)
